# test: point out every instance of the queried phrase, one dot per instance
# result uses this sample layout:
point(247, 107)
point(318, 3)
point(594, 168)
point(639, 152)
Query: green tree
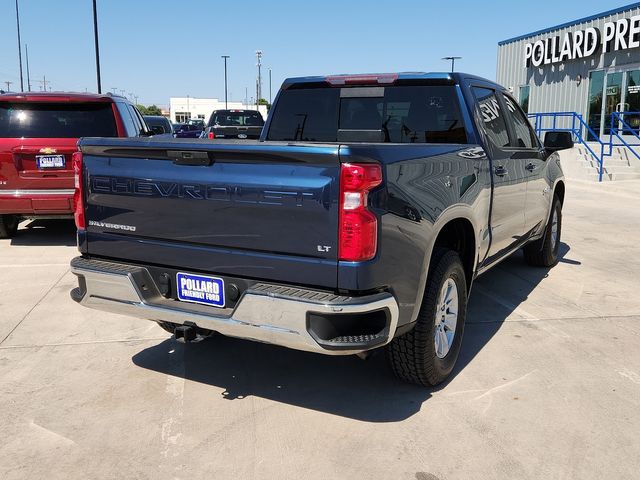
point(263, 101)
point(150, 110)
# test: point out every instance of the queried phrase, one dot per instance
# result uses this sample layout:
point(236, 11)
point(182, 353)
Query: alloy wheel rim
point(446, 318)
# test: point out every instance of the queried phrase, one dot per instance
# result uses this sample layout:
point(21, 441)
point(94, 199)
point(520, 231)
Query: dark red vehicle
point(38, 135)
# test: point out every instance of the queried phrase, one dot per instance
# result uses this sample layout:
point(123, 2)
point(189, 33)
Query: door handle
point(500, 171)
point(531, 167)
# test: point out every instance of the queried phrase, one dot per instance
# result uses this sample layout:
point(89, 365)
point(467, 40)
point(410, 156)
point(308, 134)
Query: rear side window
point(492, 116)
point(402, 114)
point(525, 138)
point(125, 115)
point(55, 120)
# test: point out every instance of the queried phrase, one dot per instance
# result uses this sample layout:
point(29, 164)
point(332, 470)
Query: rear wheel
point(544, 252)
point(427, 354)
point(8, 225)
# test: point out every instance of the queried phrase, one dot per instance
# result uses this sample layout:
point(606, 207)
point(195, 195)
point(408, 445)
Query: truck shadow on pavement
point(46, 233)
point(344, 386)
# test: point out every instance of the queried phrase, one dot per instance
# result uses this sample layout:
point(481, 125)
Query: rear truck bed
point(260, 223)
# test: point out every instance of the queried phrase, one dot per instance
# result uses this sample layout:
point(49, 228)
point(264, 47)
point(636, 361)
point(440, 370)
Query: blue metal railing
point(620, 128)
point(573, 122)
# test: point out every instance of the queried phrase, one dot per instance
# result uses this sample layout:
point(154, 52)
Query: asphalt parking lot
point(547, 386)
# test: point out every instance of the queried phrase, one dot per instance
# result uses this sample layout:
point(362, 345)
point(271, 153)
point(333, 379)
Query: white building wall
point(203, 107)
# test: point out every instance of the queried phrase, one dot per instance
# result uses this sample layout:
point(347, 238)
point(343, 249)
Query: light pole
point(26, 53)
point(259, 89)
point(95, 35)
point(225, 81)
point(19, 47)
point(453, 61)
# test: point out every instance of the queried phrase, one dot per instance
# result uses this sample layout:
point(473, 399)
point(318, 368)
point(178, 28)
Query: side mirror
point(557, 140)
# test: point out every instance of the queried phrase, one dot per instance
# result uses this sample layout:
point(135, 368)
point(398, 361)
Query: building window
point(183, 117)
point(524, 98)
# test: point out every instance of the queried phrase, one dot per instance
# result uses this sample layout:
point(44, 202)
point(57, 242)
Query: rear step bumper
point(296, 318)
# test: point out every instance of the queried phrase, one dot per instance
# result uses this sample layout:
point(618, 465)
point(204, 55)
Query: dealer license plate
point(200, 289)
point(49, 161)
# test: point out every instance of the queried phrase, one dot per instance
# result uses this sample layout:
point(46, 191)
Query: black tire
point(544, 251)
point(413, 356)
point(8, 225)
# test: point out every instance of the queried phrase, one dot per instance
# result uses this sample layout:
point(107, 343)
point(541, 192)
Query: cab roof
point(382, 79)
point(57, 97)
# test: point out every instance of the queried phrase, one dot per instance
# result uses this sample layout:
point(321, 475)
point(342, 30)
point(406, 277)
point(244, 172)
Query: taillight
point(78, 194)
point(211, 135)
point(358, 230)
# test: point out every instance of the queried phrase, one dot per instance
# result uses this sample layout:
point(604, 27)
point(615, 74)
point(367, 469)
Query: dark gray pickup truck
point(358, 221)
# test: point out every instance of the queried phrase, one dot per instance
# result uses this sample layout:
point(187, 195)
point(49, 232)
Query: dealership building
point(590, 66)
point(183, 109)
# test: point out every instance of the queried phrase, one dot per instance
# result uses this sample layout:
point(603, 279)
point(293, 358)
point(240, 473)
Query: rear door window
point(402, 114)
point(524, 134)
point(492, 116)
point(125, 115)
point(56, 120)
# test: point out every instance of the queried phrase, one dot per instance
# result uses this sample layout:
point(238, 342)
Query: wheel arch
point(559, 191)
point(459, 235)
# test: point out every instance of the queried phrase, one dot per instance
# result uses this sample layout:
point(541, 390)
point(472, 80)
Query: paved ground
point(548, 385)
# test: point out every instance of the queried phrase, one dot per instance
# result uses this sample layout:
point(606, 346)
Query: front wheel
point(544, 252)
point(427, 354)
point(8, 225)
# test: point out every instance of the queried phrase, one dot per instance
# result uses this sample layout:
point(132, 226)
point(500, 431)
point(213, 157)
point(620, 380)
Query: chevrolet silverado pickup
point(358, 220)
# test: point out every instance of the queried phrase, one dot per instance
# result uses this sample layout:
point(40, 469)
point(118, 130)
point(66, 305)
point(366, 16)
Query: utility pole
point(270, 98)
point(226, 107)
point(246, 96)
point(8, 85)
point(114, 90)
point(19, 47)
point(259, 89)
point(26, 52)
point(453, 62)
point(44, 82)
point(95, 35)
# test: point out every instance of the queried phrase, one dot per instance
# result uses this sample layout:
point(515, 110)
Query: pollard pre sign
point(623, 34)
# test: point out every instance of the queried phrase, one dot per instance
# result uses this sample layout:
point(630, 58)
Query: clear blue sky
point(159, 48)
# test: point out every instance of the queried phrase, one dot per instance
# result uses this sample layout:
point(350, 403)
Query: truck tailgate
point(244, 209)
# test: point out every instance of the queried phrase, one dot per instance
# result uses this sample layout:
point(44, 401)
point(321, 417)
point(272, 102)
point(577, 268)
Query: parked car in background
point(197, 122)
point(242, 124)
point(187, 131)
point(38, 135)
point(158, 124)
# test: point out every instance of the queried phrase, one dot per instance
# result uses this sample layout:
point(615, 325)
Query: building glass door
point(613, 99)
point(596, 89)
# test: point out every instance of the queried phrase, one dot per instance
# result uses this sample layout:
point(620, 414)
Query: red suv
point(38, 135)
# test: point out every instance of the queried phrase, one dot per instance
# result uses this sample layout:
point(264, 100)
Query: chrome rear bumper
point(267, 313)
